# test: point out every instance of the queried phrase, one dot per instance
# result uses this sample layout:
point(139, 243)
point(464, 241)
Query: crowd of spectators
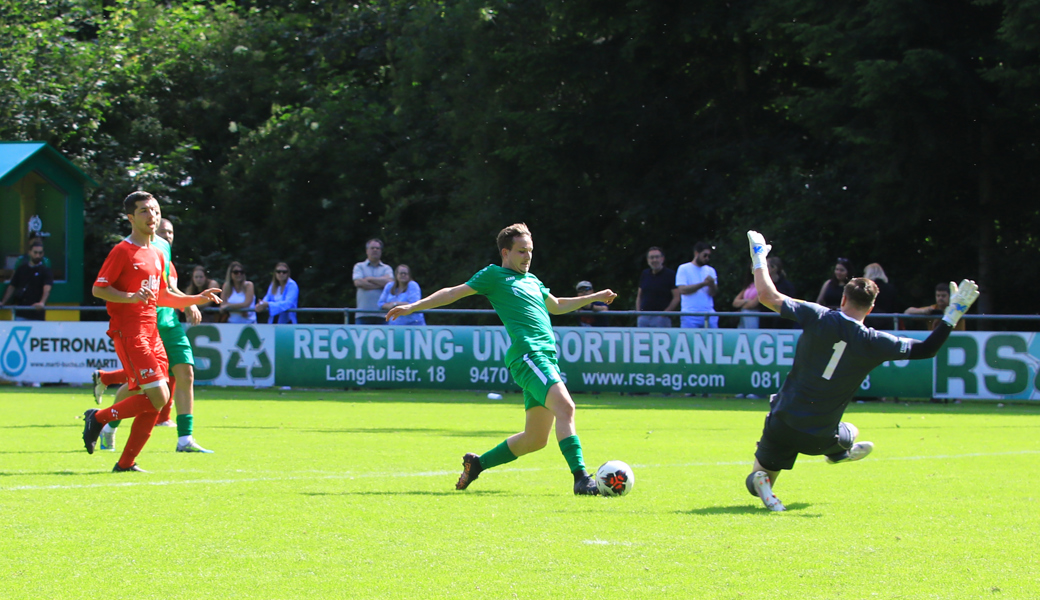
point(692, 287)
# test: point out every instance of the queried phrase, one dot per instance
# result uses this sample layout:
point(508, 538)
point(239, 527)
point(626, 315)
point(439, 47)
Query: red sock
point(126, 409)
point(164, 414)
point(140, 431)
point(113, 377)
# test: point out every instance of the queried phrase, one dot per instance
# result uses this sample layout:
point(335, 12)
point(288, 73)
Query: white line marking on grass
point(317, 475)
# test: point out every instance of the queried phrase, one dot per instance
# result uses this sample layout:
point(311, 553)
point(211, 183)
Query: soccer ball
point(614, 478)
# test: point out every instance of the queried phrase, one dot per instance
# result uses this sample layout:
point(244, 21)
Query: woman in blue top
point(402, 290)
point(282, 295)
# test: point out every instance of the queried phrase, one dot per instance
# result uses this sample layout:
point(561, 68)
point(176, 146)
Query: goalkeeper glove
point(961, 299)
point(759, 249)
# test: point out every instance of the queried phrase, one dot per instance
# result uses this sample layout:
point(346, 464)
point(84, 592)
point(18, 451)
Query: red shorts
point(143, 357)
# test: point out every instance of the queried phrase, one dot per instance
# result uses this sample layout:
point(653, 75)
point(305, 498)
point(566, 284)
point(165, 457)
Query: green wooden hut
point(42, 195)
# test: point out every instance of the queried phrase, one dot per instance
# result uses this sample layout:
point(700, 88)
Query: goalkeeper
point(834, 353)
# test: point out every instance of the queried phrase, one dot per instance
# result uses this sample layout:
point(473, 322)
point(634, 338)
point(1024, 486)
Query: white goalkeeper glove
point(759, 249)
point(961, 298)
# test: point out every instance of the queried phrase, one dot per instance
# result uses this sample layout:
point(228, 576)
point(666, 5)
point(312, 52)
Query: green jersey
point(519, 300)
point(165, 317)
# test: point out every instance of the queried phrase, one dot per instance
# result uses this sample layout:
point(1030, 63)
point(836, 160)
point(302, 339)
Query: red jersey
point(129, 268)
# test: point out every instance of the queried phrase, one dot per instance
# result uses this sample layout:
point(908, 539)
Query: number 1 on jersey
point(839, 349)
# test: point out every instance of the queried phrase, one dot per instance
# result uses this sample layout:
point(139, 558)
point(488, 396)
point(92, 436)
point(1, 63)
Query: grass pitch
point(333, 494)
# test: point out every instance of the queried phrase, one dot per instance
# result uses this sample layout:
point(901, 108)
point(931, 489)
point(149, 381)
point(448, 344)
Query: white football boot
point(765, 492)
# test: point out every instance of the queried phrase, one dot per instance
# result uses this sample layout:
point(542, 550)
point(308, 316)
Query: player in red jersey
point(132, 285)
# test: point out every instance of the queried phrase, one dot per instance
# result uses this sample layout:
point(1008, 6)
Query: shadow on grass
point(107, 471)
point(372, 430)
point(745, 509)
point(602, 401)
point(413, 493)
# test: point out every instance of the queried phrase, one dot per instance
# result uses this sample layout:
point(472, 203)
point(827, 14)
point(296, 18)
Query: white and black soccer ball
point(614, 478)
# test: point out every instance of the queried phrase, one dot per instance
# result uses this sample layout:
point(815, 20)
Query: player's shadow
point(746, 509)
point(44, 473)
point(80, 451)
point(408, 493)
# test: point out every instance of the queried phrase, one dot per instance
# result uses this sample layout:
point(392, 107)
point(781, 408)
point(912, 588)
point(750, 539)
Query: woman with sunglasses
point(238, 294)
point(282, 296)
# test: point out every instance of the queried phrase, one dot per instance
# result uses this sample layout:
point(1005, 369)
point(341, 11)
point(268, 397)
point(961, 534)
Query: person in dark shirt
point(833, 355)
point(32, 281)
point(656, 291)
point(591, 315)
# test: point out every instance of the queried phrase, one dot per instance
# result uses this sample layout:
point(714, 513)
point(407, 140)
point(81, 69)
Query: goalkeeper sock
point(499, 455)
point(571, 449)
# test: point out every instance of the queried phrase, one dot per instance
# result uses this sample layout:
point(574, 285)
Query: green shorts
point(535, 373)
point(178, 348)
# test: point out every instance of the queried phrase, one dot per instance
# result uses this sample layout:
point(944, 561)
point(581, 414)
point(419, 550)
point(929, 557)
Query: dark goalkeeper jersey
point(833, 355)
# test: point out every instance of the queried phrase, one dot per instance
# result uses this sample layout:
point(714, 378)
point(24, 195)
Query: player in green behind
point(523, 303)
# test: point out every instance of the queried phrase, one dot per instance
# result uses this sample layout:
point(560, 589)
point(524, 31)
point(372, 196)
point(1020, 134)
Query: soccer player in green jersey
point(523, 303)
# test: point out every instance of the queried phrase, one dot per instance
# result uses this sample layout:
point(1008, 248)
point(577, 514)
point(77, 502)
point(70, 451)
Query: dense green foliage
point(334, 494)
point(890, 131)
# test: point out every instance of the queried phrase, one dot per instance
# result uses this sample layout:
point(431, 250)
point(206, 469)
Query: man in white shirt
point(370, 277)
point(696, 283)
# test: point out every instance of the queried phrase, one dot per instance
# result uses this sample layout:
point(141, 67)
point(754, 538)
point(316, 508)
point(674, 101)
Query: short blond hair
point(507, 235)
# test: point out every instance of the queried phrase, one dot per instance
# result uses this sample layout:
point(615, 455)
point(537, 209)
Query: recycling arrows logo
point(13, 358)
point(249, 360)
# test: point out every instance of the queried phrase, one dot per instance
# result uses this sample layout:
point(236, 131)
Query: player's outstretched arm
point(441, 297)
point(768, 295)
point(171, 300)
point(560, 306)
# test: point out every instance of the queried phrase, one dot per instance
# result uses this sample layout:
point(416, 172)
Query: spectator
point(746, 301)
point(832, 289)
point(25, 258)
point(238, 293)
point(587, 314)
point(283, 296)
point(32, 282)
point(403, 290)
point(886, 298)
point(657, 291)
point(199, 282)
point(370, 277)
point(783, 285)
point(697, 284)
point(942, 300)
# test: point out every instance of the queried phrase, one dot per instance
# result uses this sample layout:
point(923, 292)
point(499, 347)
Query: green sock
point(499, 455)
point(184, 425)
point(571, 448)
point(114, 424)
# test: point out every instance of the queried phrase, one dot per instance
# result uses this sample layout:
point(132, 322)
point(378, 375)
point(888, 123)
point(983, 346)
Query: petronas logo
point(249, 359)
point(13, 358)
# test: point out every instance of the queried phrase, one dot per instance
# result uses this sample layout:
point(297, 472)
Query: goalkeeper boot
point(108, 439)
point(133, 467)
point(99, 387)
point(765, 492)
point(91, 430)
point(859, 451)
point(470, 471)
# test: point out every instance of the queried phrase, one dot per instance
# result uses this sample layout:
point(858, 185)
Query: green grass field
point(333, 494)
